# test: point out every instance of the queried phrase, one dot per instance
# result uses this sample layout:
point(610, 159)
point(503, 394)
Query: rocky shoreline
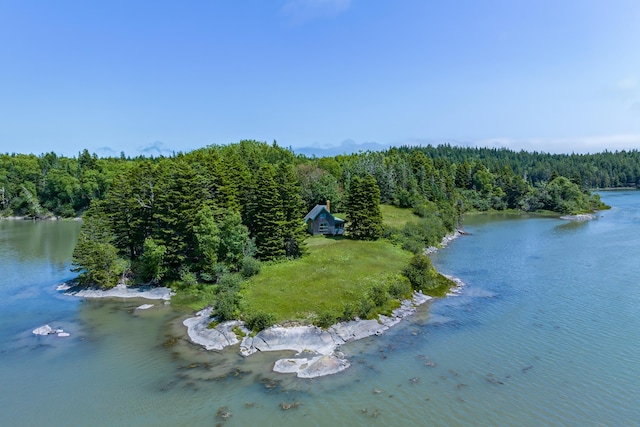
point(317, 349)
point(119, 291)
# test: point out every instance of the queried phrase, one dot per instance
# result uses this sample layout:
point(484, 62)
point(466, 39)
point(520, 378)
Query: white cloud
point(300, 11)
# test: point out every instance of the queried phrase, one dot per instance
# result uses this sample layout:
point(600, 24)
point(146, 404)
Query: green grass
point(334, 272)
point(391, 215)
point(396, 217)
point(195, 298)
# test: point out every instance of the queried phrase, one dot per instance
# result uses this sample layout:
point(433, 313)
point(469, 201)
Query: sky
point(157, 77)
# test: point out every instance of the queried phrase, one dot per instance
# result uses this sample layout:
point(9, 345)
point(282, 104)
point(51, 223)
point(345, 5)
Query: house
point(320, 221)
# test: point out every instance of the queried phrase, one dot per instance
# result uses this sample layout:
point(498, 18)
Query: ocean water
point(545, 332)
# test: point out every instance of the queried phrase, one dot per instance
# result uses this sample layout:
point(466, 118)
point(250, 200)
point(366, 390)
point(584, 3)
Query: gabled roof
point(317, 210)
point(313, 214)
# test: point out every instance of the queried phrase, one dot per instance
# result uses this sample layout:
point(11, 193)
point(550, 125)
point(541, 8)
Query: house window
point(323, 227)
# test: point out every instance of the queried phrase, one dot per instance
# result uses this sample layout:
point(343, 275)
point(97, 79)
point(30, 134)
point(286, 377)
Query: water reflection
point(51, 241)
point(569, 227)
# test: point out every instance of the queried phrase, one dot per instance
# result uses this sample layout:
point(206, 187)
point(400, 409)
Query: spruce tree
point(267, 216)
point(293, 211)
point(363, 212)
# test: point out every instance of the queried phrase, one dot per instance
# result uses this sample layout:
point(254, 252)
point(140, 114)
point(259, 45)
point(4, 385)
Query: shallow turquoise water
point(546, 332)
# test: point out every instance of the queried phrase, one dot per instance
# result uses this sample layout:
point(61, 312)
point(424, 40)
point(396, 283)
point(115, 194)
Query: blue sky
point(161, 76)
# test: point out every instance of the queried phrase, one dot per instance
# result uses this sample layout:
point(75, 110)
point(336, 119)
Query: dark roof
point(313, 214)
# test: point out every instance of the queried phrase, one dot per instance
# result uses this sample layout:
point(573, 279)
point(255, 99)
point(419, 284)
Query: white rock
point(122, 291)
point(212, 338)
point(43, 330)
point(144, 307)
point(317, 349)
point(63, 334)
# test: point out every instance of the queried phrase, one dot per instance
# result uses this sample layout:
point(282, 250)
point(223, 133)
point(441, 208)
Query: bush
point(325, 320)
point(400, 288)
point(421, 273)
point(226, 306)
point(413, 245)
point(187, 278)
point(230, 282)
point(250, 267)
point(365, 308)
point(259, 321)
point(348, 312)
point(378, 294)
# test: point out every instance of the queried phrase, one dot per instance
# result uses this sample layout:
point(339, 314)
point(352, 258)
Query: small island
point(275, 250)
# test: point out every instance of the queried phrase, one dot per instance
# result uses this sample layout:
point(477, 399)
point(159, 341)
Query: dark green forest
point(219, 211)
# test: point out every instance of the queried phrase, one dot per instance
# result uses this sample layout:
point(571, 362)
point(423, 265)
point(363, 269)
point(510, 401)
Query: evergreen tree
point(293, 211)
point(207, 237)
point(235, 244)
point(364, 216)
point(267, 216)
point(151, 263)
point(95, 256)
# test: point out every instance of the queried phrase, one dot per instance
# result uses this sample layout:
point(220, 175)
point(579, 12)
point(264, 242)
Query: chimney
point(328, 206)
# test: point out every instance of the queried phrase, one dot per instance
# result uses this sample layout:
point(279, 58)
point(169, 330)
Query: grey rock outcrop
point(212, 338)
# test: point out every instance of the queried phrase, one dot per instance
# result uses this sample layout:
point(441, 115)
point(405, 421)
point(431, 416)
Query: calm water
point(546, 332)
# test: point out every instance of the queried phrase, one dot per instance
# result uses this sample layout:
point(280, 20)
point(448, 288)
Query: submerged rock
point(144, 307)
point(48, 330)
point(579, 217)
point(44, 330)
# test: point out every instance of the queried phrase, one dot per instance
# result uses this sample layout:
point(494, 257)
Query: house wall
point(313, 227)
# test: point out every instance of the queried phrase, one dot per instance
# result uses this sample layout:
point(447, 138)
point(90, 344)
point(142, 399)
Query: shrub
point(250, 267)
point(378, 294)
point(226, 306)
point(413, 245)
point(259, 321)
point(365, 308)
point(325, 320)
point(187, 278)
point(230, 282)
point(400, 288)
point(348, 312)
point(420, 272)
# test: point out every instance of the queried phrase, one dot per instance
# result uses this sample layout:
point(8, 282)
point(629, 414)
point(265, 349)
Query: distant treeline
point(48, 184)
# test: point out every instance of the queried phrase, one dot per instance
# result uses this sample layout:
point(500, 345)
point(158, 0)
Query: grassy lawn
point(391, 215)
point(334, 272)
point(397, 217)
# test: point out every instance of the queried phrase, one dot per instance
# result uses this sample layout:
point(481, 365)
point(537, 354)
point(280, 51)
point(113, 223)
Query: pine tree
point(363, 212)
